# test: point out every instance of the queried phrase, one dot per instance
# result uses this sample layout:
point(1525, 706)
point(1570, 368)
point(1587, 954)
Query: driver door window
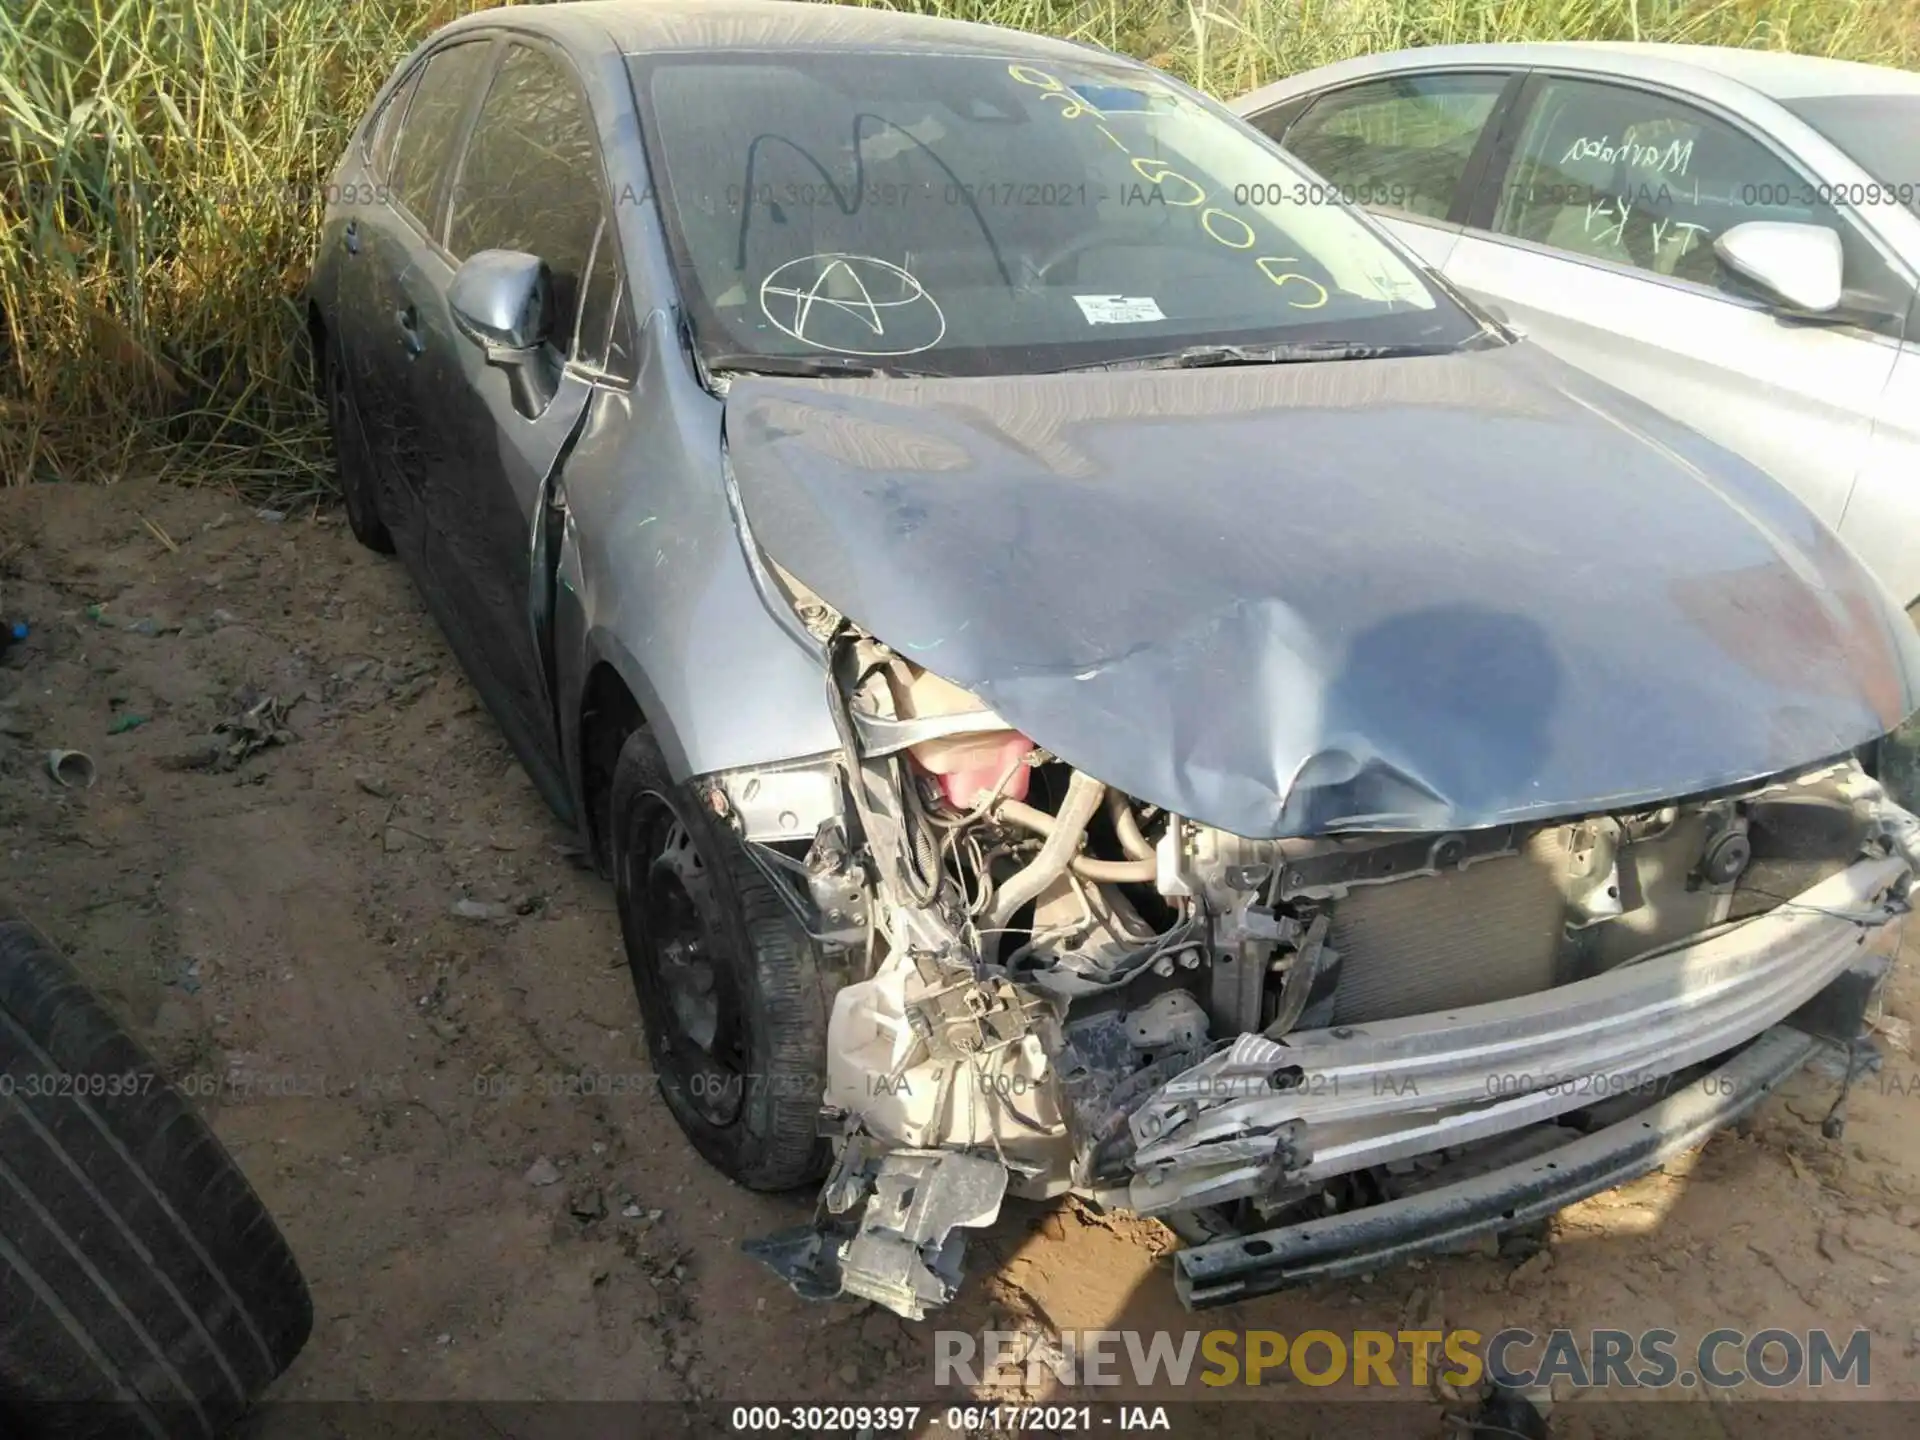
point(530, 180)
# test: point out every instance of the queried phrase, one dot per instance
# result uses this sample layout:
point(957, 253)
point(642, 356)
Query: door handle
point(350, 238)
point(410, 338)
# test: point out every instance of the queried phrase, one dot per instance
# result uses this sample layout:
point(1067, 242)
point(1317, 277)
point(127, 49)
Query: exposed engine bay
point(1046, 985)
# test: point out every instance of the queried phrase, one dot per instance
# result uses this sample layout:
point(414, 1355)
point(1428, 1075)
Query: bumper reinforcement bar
point(1377, 1236)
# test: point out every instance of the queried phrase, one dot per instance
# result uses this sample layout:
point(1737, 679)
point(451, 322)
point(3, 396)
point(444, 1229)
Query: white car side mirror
point(1798, 264)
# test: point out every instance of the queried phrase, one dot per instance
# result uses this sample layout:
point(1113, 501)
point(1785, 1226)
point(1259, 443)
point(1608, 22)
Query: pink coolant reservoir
point(968, 767)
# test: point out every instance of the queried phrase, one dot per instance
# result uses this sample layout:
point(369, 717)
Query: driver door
point(530, 180)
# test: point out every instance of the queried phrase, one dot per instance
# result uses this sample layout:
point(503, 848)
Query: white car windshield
point(969, 214)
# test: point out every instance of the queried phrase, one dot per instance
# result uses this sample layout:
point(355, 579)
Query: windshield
point(1879, 133)
point(968, 215)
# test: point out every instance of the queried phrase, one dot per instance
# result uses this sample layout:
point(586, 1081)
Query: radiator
point(1489, 932)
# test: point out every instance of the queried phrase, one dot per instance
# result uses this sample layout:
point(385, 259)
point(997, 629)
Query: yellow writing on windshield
point(1222, 226)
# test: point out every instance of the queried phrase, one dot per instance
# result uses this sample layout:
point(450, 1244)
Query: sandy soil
point(394, 1077)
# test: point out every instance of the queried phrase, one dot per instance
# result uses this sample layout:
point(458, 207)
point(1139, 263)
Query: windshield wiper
point(1294, 352)
point(851, 366)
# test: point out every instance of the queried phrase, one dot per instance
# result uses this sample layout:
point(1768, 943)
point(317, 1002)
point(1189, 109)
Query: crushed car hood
point(1425, 593)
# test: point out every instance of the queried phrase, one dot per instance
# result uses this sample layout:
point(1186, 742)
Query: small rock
point(397, 840)
point(1898, 1033)
point(849, 1374)
point(467, 909)
point(272, 517)
point(225, 617)
point(443, 1338)
point(588, 1206)
point(878, 1329)
point(630, 1211)
point(373, 785)
point(543, 1172)
point(1530, 1269)
point(354, 669)
point(202, 754)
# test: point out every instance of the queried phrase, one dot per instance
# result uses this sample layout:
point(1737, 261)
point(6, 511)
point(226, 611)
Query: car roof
point(641, 26)
point(1772, 73)
point(1777, 73)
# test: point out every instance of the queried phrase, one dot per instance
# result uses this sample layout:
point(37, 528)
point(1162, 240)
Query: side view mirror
point(502, 300)
point(1798, 265)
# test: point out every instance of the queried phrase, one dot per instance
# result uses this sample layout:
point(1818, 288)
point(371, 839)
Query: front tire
point(353, 466)
point(731, 990)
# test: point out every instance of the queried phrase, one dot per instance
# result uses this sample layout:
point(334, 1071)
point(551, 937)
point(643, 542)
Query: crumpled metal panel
point(1415, 594)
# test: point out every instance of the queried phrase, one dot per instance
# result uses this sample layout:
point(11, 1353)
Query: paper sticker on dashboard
point(1118, 309)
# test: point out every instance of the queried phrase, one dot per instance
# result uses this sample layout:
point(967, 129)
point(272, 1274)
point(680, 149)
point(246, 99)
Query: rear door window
point(531, 180)
point(1401, 143)
point(384, 132)
point(432, 127)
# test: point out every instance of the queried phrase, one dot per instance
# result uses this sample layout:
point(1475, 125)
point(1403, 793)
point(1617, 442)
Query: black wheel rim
point(685, 963)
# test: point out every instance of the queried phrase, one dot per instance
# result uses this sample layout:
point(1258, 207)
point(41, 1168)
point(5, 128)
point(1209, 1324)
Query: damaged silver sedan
point(1089, 668)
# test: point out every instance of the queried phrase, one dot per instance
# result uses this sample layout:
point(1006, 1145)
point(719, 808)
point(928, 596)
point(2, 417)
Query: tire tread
point(140, 1267)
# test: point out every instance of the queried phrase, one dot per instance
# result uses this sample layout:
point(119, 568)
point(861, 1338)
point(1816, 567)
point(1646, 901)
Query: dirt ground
point(280, 927)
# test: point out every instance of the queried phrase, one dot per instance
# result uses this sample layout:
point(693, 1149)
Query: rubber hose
point(1127, 827)
point(1087, 867)
point(1056, 853)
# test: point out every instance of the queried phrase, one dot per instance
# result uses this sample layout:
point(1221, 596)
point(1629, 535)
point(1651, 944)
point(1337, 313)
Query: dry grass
point(162, 162)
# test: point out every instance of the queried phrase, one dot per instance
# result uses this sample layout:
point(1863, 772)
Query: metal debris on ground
point(257, 723)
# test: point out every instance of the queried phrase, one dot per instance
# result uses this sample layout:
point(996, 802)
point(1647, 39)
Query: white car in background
point(1731, 235)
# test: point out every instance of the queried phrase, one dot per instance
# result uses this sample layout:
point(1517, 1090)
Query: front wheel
point(730, 986)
